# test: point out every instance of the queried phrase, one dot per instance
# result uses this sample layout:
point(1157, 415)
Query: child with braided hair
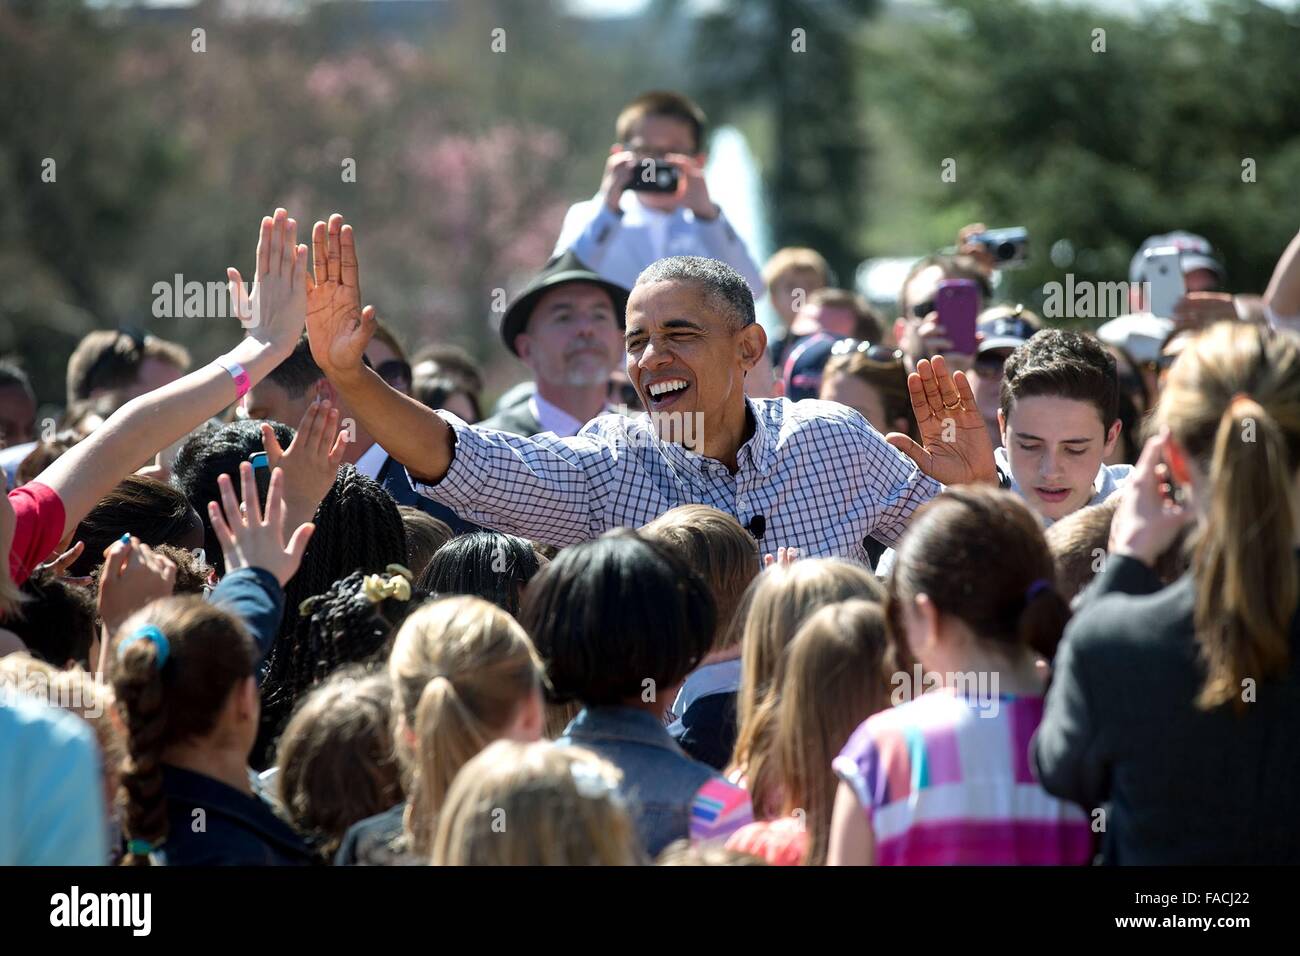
point(183, 675)
point(351, 622)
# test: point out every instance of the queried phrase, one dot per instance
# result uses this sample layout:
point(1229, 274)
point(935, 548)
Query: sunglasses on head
point(876, 353)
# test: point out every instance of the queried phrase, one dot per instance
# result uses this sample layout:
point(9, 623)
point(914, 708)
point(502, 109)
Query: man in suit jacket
point(567, 327)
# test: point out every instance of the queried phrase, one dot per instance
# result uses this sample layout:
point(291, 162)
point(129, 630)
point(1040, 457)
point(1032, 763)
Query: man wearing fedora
point(567, 327)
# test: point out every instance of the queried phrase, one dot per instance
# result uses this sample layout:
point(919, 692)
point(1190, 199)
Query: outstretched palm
point(337, 327)
point(274, 310)
point(955, 448)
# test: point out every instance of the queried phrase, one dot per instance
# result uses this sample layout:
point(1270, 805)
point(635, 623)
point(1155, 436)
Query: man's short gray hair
point(724, 285)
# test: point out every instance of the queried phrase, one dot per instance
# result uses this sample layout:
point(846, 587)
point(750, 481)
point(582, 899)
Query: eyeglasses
point(874, 352)
point(922, 309)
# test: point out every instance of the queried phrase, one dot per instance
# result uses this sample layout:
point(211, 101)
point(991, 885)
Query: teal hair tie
point(139, 847)
point(153, 634)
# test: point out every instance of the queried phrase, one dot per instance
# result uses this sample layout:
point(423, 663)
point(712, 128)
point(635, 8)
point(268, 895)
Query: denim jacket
point(659, 780)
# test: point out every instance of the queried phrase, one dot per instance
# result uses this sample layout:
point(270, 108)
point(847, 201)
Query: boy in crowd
point(792, 275)
point(1059, 419)
point(623, 229)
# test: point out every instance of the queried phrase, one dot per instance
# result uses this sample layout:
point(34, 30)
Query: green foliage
point(1101, 149)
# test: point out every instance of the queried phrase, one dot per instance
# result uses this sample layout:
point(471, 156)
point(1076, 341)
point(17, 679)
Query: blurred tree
point(796, 63)
point(1099, 149)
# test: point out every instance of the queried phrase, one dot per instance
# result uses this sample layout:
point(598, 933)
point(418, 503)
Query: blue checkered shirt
point(822, 478)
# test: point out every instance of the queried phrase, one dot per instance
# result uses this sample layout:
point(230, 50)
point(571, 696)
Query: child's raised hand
point(251, 539)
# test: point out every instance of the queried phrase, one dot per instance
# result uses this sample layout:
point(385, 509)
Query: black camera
point(1008, 247)
point(654, 176)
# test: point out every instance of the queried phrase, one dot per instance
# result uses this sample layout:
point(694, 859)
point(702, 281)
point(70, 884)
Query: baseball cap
point(1008, 330)
point(803, 367)
point(1197, 253)
point(1140, 334)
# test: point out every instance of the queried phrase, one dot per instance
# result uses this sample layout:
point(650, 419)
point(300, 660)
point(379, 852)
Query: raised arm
point(339, 329)
point(1283, 293)
point(274, 314)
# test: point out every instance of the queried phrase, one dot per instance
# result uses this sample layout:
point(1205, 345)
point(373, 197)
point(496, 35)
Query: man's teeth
point(663, 388)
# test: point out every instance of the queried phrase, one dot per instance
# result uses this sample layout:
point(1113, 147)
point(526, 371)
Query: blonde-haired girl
point(836, 676)
point(1177, 708)
point(464, 674)
point(535, 804)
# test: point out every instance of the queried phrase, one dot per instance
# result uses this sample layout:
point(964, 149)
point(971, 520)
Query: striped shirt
point(946, 780)
point(816, 473)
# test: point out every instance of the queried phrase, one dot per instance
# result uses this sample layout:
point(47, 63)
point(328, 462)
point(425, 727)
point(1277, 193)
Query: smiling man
point(1059, 419)
point(812, 475)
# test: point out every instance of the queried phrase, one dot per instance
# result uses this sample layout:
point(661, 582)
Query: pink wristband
point(242, 382)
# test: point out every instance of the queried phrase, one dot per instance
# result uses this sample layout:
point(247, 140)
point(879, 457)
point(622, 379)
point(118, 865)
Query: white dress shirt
point(618, 247)
point(370, 463)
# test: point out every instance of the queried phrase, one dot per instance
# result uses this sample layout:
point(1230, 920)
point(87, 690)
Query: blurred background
point(166, 156)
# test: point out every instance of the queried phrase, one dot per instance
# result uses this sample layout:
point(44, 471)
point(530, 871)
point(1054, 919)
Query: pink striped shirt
point(946, 780)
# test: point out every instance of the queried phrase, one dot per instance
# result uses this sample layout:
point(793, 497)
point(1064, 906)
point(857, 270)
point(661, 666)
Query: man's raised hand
point(337, 327)
point(276, 309)
point(955, 448)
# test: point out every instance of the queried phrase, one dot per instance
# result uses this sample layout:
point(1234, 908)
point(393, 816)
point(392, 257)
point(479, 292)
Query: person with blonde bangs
point(463, 674)
point(836, 676)
point(535, 804)
point(777, 603)
point(1224, 638)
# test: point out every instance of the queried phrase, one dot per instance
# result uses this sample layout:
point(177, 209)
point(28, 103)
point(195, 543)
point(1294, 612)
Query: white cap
point(1140, 334)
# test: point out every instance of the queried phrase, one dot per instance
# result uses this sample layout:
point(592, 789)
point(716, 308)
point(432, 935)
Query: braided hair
point(351, 622)
point(168, 696)
point(358, 528)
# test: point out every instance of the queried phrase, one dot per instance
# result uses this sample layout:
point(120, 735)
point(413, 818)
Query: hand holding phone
point(1163, 275)
point(957, 302)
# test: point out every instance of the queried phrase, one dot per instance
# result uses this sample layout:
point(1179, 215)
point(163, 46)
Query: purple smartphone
point(958, 303)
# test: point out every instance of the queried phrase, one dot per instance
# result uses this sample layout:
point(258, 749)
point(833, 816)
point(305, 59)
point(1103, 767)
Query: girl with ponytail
point(943, 778)
point(1202, 674)
point(464, 674)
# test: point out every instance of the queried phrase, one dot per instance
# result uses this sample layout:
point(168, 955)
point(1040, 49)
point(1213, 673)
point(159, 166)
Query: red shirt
point(38, 527)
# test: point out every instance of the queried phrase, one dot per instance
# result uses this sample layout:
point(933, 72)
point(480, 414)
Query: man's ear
point(523, 347)
point(1112, 436)
point(1002, 427)
point(326, 393)
point(753, 340)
